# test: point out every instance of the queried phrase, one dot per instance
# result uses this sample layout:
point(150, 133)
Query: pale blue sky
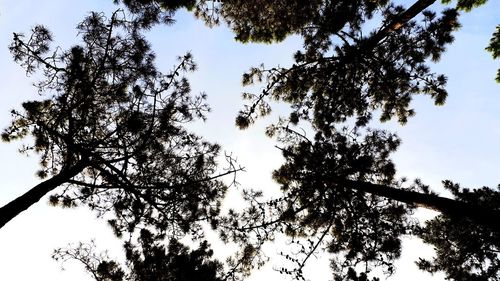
point(458, 141)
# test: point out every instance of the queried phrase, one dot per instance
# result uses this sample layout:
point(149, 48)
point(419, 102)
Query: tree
point(148, 13)
point(152, 262)
point(109, 130)
point(339, 187)
point(494, 48)
point(465, 250)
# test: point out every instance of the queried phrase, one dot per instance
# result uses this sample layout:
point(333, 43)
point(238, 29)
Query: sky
point(457, 141)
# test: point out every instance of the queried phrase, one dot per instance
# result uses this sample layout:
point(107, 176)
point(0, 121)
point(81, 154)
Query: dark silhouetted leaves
point(494, 48)
point(148, 261)
point(105, 107)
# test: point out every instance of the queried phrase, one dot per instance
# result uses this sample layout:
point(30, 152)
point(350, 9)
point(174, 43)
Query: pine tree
point(148, 260)
point(109, 130)
point(339, 187)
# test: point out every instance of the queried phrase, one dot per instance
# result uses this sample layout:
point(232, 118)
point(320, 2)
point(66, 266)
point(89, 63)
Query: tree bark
point(399, 22)
point(23, 202)
point(446, 206)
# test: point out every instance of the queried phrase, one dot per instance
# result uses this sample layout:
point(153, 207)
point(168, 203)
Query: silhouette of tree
point(109, 130)
point(344, 73)
point(268, 21)
point(359, 228)
point(494, 48)
point(151, 262)
point(100, 266)
point(465, 249)
point(339, 187)
point(340, 194)
point(150, 12)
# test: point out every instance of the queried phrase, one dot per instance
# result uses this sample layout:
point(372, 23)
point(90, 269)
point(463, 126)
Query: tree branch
point(396, 24)
point(23, 202)
point(446, 206)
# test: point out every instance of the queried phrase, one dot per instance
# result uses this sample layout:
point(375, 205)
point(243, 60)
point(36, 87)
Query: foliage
point(466, 5)
point(494, 48)
point(358, 229)
point(115, 113)
point(150, 12)
point(151, 262)
point(343, 73)
point(366, 70)
point(105, 107)
point(266, 21)
point(465, 250)
point(176, 264)
point(346, 75)
point(99, 265)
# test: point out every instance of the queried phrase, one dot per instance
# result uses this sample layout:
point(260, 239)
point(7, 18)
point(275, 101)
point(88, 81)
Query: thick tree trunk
point(449, 207)
point(446, 206)
point(400, 21)
point(23, 202)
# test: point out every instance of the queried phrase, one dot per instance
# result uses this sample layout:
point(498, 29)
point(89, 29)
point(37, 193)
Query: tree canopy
point(147, 261)
point(112, 134)
point(339, 187)
point(110, 129)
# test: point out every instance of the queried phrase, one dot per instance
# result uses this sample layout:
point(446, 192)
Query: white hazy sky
point(458, 141)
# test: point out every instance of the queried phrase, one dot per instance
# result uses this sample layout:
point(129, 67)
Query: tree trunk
point(23, 202)
point(446, 206)
point(399, 22)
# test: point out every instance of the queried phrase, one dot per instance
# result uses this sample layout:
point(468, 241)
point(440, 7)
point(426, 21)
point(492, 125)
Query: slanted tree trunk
point(446, 206)
point(399, 22)
point(23, 202)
